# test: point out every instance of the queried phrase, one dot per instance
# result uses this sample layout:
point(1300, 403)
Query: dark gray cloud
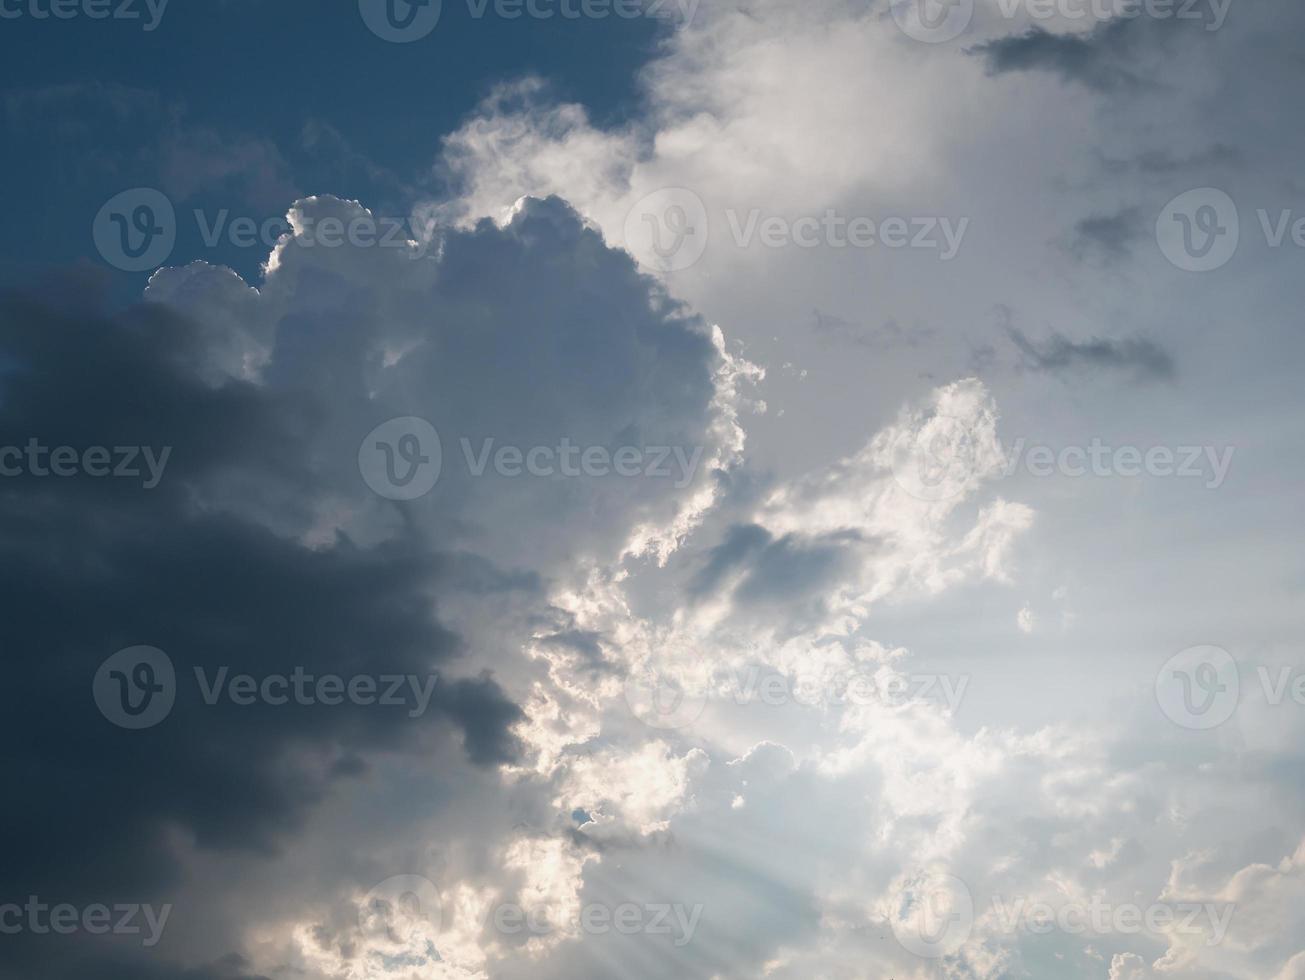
point(741, 542)
point(102, 967)
point(782, 580)
point(91, 565)
point(795, 568)
point(1118, 54)
point(261, 550)
point(585, 646)
point(1097, 60)
point(1058, 354)
point(1109, 236)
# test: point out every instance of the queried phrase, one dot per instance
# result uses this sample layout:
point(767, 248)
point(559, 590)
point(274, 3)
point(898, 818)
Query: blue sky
point(252, 70)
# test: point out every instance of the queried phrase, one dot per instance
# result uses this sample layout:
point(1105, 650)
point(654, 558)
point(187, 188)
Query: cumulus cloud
point(261, 550)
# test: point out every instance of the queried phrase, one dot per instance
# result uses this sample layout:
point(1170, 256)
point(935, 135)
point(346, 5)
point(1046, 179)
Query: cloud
point(610, 364)
point(262, 551)
point(1098, 60)
point(1110, 236)
point(1139, 357)
point(93, 565)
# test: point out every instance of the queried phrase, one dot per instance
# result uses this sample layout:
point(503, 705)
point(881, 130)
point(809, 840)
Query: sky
point(501, 489)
